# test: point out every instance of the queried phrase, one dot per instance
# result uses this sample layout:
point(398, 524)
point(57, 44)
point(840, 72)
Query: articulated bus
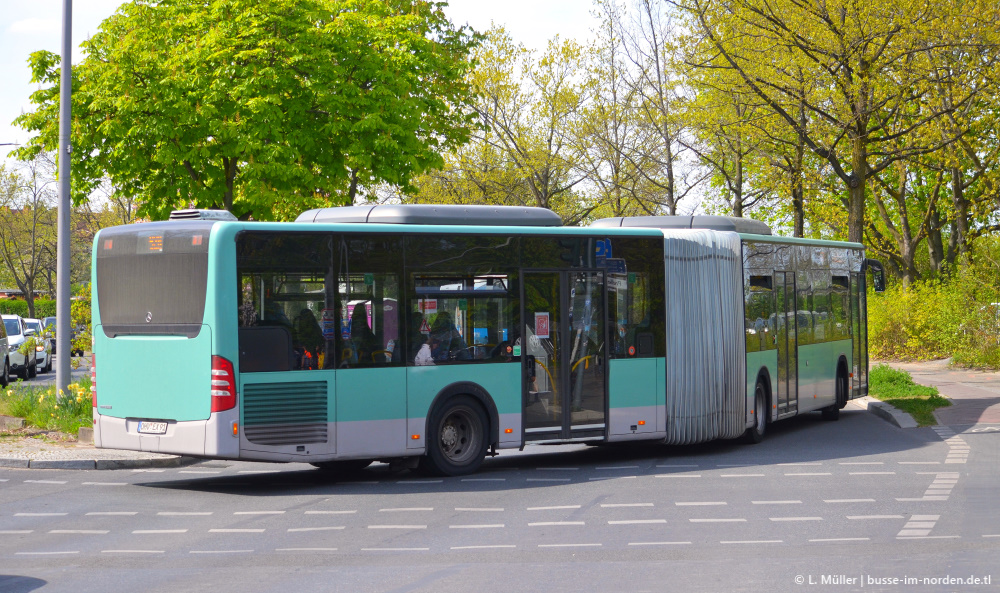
point(432, 336)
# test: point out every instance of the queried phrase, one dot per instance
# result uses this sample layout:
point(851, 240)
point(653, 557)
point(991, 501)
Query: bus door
point(787, 337)
point(564, 359)
point(859, 333)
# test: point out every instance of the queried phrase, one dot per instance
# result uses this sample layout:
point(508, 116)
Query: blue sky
point(30, 25)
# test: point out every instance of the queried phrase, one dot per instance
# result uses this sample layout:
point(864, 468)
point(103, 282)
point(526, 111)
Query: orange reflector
point(508, 430)
point(415, 437)
point(236, 429)
point(851, 375)
point(642, 422)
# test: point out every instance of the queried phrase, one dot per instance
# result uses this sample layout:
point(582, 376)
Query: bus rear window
point(152, 278)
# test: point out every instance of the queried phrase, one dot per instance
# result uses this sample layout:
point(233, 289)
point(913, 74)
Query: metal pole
point(63, 322)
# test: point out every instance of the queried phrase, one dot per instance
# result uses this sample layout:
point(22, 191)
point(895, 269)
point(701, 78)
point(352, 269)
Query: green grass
point(40, 408)
point(897, 389)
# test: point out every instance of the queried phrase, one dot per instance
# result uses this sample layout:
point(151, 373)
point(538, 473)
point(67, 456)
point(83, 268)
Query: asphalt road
point(841, 506)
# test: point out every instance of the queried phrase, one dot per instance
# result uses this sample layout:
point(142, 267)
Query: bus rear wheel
point(456, 439)
point(755, 433)
point(832, 413)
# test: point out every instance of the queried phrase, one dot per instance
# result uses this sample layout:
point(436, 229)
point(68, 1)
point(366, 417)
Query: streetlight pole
point(63, 322)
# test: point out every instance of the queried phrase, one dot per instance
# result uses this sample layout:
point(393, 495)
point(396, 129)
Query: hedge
point(43, 308)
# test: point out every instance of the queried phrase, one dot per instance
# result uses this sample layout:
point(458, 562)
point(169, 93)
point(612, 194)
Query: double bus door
point(787, 400)
point(859, 333)
point(563, 354)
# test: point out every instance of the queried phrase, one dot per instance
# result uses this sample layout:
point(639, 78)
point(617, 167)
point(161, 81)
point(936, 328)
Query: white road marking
point(298, 529)
point(557, 469)
point(924, 517)
point(487, 526)
point(602, 478)
point(16, 531)
point(236, 531)
point(734, 465)
point(699, 504)
point(776, 502)
point(811, 474)
point(569, 506)
point(220, 551)
point(922, 499)
point(796, 518)
point(753, 541)
point(859, 463)
point(837, 500)
point(193, 471)
point(658, 543)
point(742, 476)
point(40, 514)
point(638, 522)
point(802, 463)
point(679, 465)
point(259, 513)
point(919, 462)
point(864, 517)
point(305, 549)
point(717, 520)
point(483, 547)
point(394, 549)
point(927, 536)
point(548, 479)
point(184, 514)
point(132, 552)
point(406, 510)
point(416, 482)
point(80, 531)
point(113, 513)
point(568, 545)
point(626, 504)
point(841, 539)
point(919, 525)
point(677, 476)
point(45, 553)
point(554, 523)
point(259, 471)
point(484, 479)
point(159, 531)
point(609, 468)
point(485, 510)
point(105, 483)
point(331, 512)
point(148, 471)
point(44, 481)
point(871, 473)
point(992, 535)
point(397, 527)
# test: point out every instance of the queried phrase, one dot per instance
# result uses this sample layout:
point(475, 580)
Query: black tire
point(832, 413)
point(5, 378)
point(32, 371)
point(343, 466)
point(456, 438)
point(755, 433)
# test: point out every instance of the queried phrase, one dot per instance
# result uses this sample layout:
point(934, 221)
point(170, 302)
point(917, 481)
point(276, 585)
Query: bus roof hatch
point(716, 223)
point(444, 214)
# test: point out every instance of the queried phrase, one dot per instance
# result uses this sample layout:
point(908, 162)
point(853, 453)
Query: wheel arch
point(478, 393)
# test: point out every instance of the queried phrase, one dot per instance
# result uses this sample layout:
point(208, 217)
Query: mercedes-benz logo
point(149, 316)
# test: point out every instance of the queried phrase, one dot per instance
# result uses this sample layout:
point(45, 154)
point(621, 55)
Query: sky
point(29, 25)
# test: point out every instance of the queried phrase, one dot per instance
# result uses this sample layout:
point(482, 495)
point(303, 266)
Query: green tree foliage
point(261, 108)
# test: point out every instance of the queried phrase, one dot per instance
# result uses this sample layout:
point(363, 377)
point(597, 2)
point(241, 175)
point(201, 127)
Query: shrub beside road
point(896, 388)
point(40, 407)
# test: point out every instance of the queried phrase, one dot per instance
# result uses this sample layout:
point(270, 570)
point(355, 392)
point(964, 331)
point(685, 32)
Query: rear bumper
point(200, 438)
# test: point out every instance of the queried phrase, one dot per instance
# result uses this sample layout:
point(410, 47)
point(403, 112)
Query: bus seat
point(266, 348)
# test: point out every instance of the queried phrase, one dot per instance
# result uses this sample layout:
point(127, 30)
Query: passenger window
point(365, 310)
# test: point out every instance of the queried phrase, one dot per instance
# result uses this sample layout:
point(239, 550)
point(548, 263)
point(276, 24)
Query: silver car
point(17, 333)
point(45, 347)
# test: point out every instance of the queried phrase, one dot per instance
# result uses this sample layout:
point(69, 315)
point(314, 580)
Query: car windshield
point(35, 325)
point(50, 322)
point(12, 327)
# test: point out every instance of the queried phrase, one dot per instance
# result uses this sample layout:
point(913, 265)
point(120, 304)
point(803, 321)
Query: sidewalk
point(974, 395)
point(42, 451)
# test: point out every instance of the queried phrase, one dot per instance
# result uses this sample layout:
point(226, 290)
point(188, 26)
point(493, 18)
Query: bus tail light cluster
point(93, 380)
point(223, 385)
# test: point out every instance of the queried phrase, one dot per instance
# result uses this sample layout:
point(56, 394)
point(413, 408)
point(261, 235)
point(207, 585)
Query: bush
point(39, 406)
point(43, 308)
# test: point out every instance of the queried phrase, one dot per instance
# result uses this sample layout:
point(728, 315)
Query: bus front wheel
point(755, 433)
point(456, 439)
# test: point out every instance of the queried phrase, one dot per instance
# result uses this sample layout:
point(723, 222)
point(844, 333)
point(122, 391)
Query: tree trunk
point(935, 243)
point(856, 187)
point(961, 216)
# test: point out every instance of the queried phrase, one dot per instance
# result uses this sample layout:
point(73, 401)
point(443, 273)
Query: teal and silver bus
point(433, 336)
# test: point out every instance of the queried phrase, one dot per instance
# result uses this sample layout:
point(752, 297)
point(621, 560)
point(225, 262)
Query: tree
point(867, 62)
point(261, 108)
point(28, 225)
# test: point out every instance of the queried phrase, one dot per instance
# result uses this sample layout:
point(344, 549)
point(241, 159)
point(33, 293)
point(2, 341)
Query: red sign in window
point(542, 325)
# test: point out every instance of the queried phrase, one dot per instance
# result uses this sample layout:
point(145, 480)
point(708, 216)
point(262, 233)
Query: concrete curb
point(18, 463)
point(891, 415)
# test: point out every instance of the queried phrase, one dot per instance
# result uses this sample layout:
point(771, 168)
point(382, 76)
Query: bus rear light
point(93, 380)
point(223, 385)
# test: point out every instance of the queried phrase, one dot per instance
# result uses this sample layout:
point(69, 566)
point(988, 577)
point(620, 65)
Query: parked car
point(50, 326)
point(18, 333)
point(45, 346)
point(5, 354)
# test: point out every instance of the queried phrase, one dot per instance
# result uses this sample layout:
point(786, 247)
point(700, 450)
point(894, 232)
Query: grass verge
point(897, 389)
point(40, 407)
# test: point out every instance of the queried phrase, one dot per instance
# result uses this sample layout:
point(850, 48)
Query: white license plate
point(153, 427)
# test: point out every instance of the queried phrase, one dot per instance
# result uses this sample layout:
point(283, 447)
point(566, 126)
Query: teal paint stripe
point(632, 382)
point(501, 380)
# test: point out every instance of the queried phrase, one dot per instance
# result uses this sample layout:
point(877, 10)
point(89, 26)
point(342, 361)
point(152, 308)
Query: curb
point(891, 415)
point(18, 463)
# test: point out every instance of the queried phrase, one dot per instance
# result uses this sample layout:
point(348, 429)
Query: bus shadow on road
point(799, 440)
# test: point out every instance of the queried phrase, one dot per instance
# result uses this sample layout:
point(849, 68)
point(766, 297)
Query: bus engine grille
point(285, 413)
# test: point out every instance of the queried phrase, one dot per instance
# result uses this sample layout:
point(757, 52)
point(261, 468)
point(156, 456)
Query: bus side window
point(367, 301)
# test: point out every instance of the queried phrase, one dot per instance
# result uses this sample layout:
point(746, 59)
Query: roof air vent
point(202, 215)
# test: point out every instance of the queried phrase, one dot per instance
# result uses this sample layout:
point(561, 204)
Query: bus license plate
point(153, 427)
